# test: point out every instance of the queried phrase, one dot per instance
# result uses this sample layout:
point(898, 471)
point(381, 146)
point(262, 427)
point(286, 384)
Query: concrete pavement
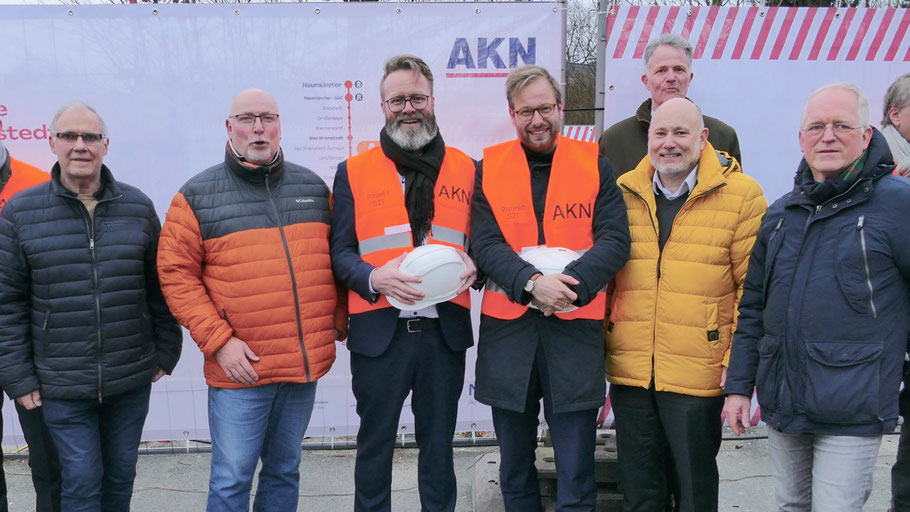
point(178, 482)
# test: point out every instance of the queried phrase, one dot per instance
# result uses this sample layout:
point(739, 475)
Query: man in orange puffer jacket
point(244, 265)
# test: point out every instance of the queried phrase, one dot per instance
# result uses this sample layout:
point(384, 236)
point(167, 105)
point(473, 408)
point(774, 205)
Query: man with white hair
point(896, 122)
point(84, 329)
point(693, 216)
point(668, 74)
point(823, 319)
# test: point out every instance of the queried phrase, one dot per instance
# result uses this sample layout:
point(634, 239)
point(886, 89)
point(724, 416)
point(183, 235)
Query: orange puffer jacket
point(244, 252)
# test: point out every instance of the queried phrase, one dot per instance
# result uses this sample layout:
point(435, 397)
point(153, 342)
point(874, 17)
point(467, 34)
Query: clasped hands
point(552, 294)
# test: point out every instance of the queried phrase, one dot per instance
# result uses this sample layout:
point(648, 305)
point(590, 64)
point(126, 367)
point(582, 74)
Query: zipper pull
point(859, 222)
point(781, 221)
point(91, 244)
point(818, 208)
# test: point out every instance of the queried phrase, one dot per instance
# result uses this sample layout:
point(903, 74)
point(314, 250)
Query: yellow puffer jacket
point(679, 326)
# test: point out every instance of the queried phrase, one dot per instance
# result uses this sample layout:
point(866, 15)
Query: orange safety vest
point(568, 214)
point(23, 176)
point(381, 218)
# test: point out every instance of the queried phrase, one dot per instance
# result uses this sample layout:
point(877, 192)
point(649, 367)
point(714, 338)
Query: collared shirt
point(687, 186)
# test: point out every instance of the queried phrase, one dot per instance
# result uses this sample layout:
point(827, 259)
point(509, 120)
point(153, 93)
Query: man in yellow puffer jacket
point(693, 217)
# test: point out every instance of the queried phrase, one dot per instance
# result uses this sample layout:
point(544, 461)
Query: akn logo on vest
point(573, 211)
point(489, 53)
point(455, 192)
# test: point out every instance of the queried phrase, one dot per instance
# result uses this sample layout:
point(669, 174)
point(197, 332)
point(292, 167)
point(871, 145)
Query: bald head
point(241, 103)
point(680, 110)
point(676, 137)
point(254, 127)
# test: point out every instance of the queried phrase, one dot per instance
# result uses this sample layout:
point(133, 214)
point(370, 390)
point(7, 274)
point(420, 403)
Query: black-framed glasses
point(817, 129)
point(526, 114)
point(249, 119)
point(418, 101)
point(87, 138)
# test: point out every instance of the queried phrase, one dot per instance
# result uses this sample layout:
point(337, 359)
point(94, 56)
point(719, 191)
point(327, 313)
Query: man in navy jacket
point(823, 320)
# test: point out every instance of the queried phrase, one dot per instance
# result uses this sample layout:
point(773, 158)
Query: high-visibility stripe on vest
point(381, 217)
point(568, 214)
point(23, 176)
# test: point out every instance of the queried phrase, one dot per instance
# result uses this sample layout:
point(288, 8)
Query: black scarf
point(420, 170)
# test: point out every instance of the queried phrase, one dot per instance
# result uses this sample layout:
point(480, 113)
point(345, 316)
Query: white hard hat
point(439, 267)
point(551, 260)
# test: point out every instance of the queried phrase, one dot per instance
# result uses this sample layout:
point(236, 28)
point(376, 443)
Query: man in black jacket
point(84, 329)
point(544, 189)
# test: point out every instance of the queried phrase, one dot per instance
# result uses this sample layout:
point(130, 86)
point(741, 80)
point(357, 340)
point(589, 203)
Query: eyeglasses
point(817, 129)
point(526, 114)
point(87, 138)
point(417, 101)
point(250, 119)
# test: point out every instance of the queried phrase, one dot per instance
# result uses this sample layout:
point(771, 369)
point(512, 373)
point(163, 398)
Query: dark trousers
point(423, 364)
point(98, 445)
point(42, 459)
point(900, 472)
point(650, 423)
point(573, 436)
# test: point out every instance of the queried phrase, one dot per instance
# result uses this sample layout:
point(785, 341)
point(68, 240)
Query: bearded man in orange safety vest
point(410, 191)
point(544, 190)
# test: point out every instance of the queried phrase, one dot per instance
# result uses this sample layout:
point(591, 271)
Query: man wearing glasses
point(543, 189)
point(244, 265)
point(823, 319)
point(412, 190)
point(85, 329)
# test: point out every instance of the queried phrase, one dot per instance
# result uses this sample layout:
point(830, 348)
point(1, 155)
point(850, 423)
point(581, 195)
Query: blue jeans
point(98, 444)
point(822, 473)
point(247, 424)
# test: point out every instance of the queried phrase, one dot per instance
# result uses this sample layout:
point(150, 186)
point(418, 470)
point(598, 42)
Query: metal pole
point(562, 72)
point(600, 72)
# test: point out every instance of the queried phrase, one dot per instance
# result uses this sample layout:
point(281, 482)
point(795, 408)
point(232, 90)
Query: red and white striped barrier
point(580, 132)
point(765, 33)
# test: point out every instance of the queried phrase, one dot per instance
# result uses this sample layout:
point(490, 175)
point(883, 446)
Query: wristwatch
point(529, 286)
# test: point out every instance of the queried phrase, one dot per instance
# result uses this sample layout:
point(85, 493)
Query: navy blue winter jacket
point(81, 311)
point(823, 319)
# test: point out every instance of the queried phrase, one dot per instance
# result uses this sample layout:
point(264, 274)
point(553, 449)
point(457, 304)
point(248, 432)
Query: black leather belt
point(419, 324)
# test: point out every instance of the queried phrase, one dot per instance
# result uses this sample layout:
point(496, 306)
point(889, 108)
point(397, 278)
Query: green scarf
point(833, 186)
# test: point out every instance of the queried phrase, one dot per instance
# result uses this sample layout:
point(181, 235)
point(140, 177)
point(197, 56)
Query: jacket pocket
point(767, 376)
point(852, 269)
point(842, 382)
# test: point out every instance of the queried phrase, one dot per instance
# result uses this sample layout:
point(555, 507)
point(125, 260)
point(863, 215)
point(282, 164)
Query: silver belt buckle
point(415, 321)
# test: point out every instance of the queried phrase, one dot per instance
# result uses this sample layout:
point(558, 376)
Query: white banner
point(162, 77)
point(755, 66)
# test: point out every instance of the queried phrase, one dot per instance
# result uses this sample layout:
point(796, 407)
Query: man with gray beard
point(410, 191)
point(693, 217)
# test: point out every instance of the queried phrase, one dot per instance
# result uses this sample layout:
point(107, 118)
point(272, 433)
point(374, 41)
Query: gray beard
point(3, 155)
point(672, 172)
point(412, 139)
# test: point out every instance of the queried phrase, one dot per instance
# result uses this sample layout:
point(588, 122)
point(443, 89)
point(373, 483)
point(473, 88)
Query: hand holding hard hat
point(392, 283)
point(440, 272)
point(551, 290)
